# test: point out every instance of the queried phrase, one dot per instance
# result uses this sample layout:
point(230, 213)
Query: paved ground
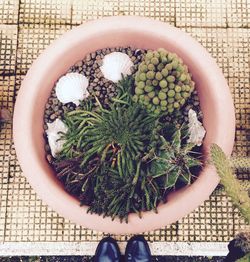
point(89, 259)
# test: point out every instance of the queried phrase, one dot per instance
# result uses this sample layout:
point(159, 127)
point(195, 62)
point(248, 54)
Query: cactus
point(162, 82)
point(245, 184)
point(232, 186)
point(174, 162)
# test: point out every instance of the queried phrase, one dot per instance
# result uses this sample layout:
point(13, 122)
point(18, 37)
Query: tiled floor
point(27, 27)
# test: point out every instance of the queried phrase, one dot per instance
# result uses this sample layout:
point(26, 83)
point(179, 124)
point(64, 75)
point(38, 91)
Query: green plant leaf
point(171, 178)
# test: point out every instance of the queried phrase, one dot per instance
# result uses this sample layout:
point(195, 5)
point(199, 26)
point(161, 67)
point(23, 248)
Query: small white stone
point(54, 135)
point(72, 87)
point(195, 128)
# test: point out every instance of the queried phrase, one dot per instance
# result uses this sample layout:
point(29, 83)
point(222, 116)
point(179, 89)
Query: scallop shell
point(72, 87)
point(115, 64)
point(54, 134)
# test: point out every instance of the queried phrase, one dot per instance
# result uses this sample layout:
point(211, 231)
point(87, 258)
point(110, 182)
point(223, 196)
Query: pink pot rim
point(27, 133)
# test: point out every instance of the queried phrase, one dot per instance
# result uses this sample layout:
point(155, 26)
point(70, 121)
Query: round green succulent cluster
point(162, 82)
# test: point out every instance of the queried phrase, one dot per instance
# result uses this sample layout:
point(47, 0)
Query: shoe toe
point(138, 250)
point(107, 251)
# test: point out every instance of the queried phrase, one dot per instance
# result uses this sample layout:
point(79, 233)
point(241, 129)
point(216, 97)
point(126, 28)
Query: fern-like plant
point(118, 135)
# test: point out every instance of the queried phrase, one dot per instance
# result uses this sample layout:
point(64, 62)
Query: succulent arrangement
point(125, 157)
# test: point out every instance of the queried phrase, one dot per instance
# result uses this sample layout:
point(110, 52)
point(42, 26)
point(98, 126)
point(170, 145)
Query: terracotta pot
point(215, 99)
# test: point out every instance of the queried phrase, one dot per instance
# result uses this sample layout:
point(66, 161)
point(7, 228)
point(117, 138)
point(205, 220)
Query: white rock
point(72, 87)
point(195, 128)
point(114, 65)
point(53, 134)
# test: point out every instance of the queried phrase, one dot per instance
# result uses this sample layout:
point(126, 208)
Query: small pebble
point(49, 158)
point(53, 116)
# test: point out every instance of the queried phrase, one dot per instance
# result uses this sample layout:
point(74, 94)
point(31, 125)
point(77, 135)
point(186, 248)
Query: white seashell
point(72, 87)
point(115, 64)
point(195, 128)
point(54, 135)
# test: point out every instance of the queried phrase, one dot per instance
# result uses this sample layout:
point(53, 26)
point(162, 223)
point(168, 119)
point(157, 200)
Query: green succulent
point(172, 164)
point(125, 130)
point(163, 72)
point(231, 184)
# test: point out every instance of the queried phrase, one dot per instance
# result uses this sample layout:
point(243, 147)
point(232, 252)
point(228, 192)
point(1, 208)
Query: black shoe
point(107, 251)
point(137, 250)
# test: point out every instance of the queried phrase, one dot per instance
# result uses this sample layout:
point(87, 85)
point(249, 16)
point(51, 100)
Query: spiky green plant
point(122, 133)
point(174, 161)
point(118, 196)
point(156, 173)
point(116, 138)
point(232, 186)
point(124, 91)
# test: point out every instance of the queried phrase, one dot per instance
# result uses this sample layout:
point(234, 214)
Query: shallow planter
point(214, 94)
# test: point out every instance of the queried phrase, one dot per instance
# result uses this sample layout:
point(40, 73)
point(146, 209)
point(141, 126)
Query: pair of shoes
point(137, 250)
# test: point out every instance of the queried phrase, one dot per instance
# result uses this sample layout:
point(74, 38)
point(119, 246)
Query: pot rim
point(46, 185)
